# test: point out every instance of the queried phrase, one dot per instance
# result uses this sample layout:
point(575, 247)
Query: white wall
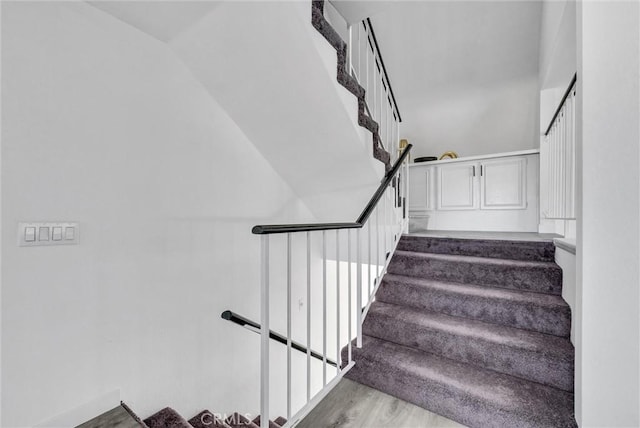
point(464, 73)
point(474, 120)
point(102, 125)
point(278, 82)
point(557, 61)
point(608, 251)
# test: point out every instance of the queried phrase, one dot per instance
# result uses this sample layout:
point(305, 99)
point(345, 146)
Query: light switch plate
point(68, 233)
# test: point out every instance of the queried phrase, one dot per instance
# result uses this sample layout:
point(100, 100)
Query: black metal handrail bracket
point(269, 229)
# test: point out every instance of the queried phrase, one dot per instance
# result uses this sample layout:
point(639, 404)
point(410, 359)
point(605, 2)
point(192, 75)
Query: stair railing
point(367, 66)
point(560, 139)
point(280, 338)
point(377, 231)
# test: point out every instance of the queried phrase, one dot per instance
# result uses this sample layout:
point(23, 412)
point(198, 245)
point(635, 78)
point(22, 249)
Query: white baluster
point(350, 50)
point(288, 326)
point(369, 282)
point(349, 335)
point(308, 317)
point(337, 300)
point(324, 308)
point(264, 332)
point(359, 290)
point(377, 242)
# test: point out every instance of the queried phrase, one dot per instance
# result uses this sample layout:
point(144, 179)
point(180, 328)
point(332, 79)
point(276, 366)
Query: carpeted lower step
point(207, 419)
point(540, 251)
point(533, 356)
point(167, 418)
point(470, 395)
point(272, 424)
point(542, 277)
point(544, 313)
point(238, 420)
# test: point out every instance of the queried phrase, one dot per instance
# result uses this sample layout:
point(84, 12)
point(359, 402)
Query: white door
point(503, 184)
point(456, 190)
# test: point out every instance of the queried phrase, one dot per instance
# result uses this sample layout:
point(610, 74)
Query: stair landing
point(503, 236)
point(116, 417)
point(353, 405)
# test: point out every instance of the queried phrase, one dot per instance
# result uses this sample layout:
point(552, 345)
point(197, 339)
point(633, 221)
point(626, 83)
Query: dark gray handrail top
point(269, 229)
point(384, 69)
point(564, 98)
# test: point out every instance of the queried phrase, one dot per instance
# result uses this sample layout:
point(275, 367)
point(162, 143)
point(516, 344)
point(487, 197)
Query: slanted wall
point(276, 77)
point(104, 126)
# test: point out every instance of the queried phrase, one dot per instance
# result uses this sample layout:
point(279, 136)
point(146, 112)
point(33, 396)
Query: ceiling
point(477, 57)
point(432, 47)
point(464, 73)
point(427, 45)
point(163, 20)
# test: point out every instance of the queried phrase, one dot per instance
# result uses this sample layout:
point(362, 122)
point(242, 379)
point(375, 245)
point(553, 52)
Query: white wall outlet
point(48, 233)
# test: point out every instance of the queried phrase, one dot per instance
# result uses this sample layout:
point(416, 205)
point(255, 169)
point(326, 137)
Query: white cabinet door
point(456, 190)
point(421, 186)
point(503, 184)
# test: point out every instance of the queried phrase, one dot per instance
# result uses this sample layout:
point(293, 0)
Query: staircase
point(347, 81)
point(474, 330)
point(169, 418)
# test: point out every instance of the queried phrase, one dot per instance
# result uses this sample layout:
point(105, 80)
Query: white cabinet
point(498, 184)
point(489, 193)
point(503, 184)
point(457, 187)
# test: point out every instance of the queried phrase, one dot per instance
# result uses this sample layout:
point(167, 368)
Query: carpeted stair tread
point(272, 424)
point(238, 420)
point(534, 356)
point(545, 313)
point(280, 420)
point(167, 418)
point(542, 277)
point(542, 251)
point(470, 395)
point(207, 419)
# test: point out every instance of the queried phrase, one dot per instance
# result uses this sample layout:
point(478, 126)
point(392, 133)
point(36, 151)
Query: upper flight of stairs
point(474, 330)
point(346, 80)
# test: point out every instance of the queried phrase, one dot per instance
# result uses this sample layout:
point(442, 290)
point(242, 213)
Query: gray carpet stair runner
point(474, 330)
point(347, 81)
point(169, 418)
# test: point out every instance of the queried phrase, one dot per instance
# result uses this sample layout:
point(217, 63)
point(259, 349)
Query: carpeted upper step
point(545, 313)
point(470, 395)
point(167, 418)
point(207, 419)
point(541, 277)
point(533, 356)
point(538, 251)
point(280, 420)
